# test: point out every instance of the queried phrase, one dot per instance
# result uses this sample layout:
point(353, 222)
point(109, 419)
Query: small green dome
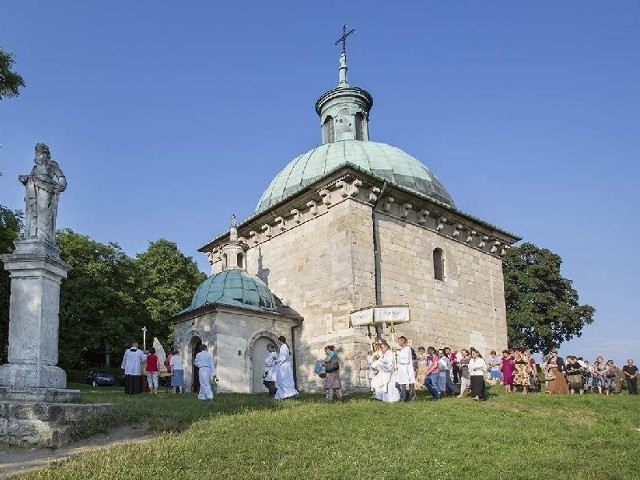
point(234, 287)
point(379, 159)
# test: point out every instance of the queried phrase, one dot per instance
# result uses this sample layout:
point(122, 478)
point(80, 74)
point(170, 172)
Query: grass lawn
point(240, 437)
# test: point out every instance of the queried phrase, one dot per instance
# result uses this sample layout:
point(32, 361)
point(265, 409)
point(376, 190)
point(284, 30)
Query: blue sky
point(169, 116)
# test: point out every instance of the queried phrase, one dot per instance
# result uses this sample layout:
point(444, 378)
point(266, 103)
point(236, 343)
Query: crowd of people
point(394, 373)
point(517, 370)
point(134, 359)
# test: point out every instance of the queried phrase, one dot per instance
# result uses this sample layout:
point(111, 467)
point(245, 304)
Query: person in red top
point(152, 370)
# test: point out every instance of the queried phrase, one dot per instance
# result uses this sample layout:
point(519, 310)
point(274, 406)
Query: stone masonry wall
point(323, 269)
point(466, 309)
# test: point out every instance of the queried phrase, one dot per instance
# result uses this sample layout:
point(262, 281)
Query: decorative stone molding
point(404, 211)
point(349, 189)
point(373, 194)
point(313, 207)
point(472, 234)
point(417, 211)
point(295, 214)
point(387, 203)
point(326, 196)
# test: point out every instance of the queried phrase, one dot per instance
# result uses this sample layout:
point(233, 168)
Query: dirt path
point(14, 460)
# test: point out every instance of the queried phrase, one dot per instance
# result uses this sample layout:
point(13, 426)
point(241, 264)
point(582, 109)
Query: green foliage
point(108, 297)
point(542, 306)
point(510, 436)
point(99, 308)
point(10, 81)
point(166, 284)
point(10, 227)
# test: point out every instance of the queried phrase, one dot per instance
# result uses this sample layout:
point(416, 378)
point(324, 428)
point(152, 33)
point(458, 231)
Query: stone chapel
point(351, 223)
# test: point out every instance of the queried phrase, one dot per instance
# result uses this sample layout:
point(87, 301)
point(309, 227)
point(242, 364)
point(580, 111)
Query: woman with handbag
point(332, 383)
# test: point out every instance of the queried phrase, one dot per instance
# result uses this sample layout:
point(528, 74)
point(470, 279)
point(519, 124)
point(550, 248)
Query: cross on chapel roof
point(343, 38)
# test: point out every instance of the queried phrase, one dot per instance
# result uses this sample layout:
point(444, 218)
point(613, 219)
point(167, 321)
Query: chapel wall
point(466, 309)
point(323, 269)
point(230, 336)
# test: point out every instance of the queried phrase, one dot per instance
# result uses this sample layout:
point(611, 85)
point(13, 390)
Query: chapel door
point(195, 348)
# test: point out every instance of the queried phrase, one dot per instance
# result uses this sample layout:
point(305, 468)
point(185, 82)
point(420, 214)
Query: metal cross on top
point(343, 38)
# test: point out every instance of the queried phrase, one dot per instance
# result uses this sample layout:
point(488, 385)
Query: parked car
point(100, 378)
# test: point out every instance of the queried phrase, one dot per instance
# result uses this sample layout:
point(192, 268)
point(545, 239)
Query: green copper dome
point(234, 287)
point(379, 159)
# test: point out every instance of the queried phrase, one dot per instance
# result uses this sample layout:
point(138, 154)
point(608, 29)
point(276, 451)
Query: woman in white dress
point(406, 373)
point(285, 385)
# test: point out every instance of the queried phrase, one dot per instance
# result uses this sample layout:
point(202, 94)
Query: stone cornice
point(220, 307)
point(351, 183)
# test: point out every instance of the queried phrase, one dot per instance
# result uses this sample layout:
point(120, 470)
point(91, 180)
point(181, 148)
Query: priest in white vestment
point(132, 366)
point(206, 372)
point(384, 381)
point(285, 385)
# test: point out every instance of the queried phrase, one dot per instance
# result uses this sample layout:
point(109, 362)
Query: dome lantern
point(344, 110)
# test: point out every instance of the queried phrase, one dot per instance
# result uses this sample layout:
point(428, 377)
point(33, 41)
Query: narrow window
point(328, 130)
point(438, 264)
point(240, 260)
point(224, 261)
point(360, 126)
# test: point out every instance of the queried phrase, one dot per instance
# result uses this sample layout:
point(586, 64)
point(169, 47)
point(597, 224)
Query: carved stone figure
point(43, 187)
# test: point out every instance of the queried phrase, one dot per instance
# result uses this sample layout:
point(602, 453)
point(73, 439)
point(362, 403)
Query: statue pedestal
point(36, 272)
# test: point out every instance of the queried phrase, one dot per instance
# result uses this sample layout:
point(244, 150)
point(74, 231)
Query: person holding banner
point(384, 379)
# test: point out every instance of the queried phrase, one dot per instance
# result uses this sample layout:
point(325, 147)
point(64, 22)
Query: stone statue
point(43, 187)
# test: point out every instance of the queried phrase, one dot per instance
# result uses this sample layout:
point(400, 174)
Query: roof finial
point(343, 56)
point(343, 38)
point(233, 229)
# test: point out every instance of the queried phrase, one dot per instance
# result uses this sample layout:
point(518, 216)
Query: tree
point(10, 227)
point(100, 313)
point(10, 81)
point(167, 283)
point(542, 306)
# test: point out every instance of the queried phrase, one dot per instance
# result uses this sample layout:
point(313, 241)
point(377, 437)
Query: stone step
point(43, 424)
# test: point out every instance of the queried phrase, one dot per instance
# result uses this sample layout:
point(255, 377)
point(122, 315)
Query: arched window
point(224, 261)
point(360, 126)
point(240, 260)
point(438, 264)
point(327, 129)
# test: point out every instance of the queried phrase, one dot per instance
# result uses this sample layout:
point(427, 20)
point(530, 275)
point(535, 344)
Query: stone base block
point(52, 395)
point(43, 424)
point(19, 375)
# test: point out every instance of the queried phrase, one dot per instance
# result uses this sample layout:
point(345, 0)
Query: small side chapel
point(349, 224)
